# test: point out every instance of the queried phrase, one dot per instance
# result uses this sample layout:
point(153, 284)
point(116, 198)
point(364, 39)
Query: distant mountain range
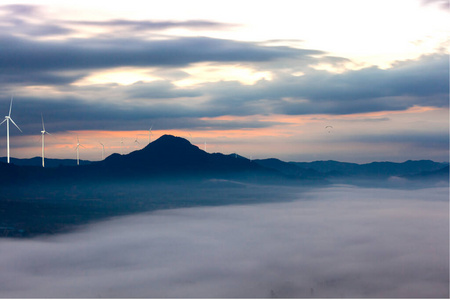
point(175, 157)
point(166, 158)
point(374, 169)
point(49, 162)
point(171, 173)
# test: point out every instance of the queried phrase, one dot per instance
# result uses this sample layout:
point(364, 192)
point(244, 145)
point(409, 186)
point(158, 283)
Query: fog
point(339, 241)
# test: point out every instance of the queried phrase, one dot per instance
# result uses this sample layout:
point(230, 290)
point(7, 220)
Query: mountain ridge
point(167, 157)
point(171, 156)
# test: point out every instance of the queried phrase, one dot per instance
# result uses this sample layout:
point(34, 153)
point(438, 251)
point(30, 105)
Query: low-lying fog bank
point(339, 241)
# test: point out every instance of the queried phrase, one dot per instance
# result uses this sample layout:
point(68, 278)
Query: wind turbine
point(136, 142)
point(150, 134)
point(7, 119)
point(205, 146)
point(103, 151)
point(121, 146)
point(78, 154)
point(43, 132)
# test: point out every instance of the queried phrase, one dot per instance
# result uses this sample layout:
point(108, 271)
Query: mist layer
point(335, 242)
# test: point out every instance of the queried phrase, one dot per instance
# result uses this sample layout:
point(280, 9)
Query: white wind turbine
point(150, 134)
point(103, 151)
point(43, 132)
point(7, 119)
point(78, 153)
point(136, 142)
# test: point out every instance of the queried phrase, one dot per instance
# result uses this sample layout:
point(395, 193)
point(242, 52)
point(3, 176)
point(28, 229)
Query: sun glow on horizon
point(121, 76)
point(280, 136)
point(206, 72)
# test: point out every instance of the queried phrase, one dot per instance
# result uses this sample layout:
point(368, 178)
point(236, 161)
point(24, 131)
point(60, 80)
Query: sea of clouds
point(340, 241)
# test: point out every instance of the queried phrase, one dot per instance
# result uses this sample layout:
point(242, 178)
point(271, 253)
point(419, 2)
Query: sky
point(339, 242)
point(258, 78)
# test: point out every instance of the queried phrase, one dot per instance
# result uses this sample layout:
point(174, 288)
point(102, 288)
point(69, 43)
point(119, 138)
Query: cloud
point(422, 82)
point(145, 25)
point(20, 56)
point(334, 242)
point(29, 20)
point(437, 140)
point(46, 51)
point(20, 9)
point(94, 53)
point(443, 4)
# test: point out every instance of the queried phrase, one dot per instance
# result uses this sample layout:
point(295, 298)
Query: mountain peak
point(168, 140)
point(169, 143)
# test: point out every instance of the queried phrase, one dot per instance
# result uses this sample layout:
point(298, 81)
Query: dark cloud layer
point(27, 20)
point(367, 90)
point(75, 54)
point(336, 242)
point(153, 25)
point(416, 82)
point(58, 63)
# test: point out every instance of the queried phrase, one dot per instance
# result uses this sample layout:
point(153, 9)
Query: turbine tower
point(78, 153)
point(121, 146)
point(103, 151)
point(7, 119)
point(43, 132)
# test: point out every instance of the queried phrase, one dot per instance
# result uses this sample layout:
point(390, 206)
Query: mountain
point(374, 169)
point(171, 157)
point(166, 158)
point(49, 162)
point(289, 168)
point(440, 174)
point(329, 166)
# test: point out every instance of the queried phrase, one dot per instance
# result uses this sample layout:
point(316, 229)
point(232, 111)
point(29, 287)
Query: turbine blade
point(43, 127)
point(10, 106)
point(3, 122)
point(15, 125)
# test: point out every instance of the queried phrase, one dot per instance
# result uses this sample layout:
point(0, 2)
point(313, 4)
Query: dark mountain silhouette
point(166, 158)
point(49, 162)
point(374, 169)
point(289, 168)
point(170, 154)
point(174, 157)
point(440, 174)
point(329, 166)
